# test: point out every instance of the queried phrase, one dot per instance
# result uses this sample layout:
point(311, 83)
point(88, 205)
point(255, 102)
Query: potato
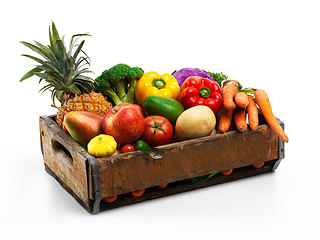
point(195, 122)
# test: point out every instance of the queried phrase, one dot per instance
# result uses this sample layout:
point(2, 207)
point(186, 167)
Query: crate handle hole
point(58, 147)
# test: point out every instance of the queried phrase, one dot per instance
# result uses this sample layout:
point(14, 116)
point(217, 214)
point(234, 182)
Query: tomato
point(258, 165)
point(110, 199)
point(138, 193)
point(227, 172)
point(162, 186)
point(127, 148)
point(158, 131)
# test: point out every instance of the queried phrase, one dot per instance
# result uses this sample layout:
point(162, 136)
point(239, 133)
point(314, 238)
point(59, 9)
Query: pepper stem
point(158, 83)
point(204, 92)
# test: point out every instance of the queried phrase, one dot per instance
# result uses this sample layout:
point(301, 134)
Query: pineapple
point(63, 71)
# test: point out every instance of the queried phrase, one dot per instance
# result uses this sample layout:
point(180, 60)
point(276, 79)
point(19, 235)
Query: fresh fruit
point(195, 122)
point(166, 107)
point(91, 102)
point(139, 108)
point(138, 193)
point(158, 131)
point(141, 145)
point(124, 122)
point(83, 126)
point(102, 146)
point(127, 148)
point(62, 69)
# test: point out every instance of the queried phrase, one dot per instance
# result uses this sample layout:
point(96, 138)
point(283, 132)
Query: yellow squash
point(102, 145)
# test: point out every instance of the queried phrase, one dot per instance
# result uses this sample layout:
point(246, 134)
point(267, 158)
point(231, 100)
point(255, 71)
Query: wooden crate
point(89, 180)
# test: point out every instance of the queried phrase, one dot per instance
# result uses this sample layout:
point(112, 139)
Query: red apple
point(124, 122)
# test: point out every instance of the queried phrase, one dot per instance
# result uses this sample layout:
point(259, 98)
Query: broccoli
point(118, 83)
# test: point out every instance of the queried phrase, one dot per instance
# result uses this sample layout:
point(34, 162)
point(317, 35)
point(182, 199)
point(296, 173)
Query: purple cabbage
point(182, 74)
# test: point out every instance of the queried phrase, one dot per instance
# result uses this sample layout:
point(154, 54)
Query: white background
point(273, 45)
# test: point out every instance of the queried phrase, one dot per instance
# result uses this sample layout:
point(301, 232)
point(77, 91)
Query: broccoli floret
point(133, 76)
point(118, 83)
point(117, 78)
point(104, 87)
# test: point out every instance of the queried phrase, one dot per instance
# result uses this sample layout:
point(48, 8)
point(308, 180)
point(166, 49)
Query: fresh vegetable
point(182, 74)
point(241, 99)
point(102, 146)
point(195, 122)
point(110, 199)
point(225, 119)
point(166, 107)
point(127, 148)
point(138, 193)
point(118, 83)
point(218, 77)
point(200, 91)
point(154, 84)
point(158, 131)
point(162, 186)
point(240, 119)
point(227, 172)
point(258, 165)
point(141, 145)
point(228, 93)
point(202, 178)
point(252, 112)
point(262, 100)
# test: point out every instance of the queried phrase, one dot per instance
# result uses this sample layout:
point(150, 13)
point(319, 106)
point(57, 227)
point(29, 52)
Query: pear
point(83, 126)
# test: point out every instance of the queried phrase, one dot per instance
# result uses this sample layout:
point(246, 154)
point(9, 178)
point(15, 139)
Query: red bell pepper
point(200, 91)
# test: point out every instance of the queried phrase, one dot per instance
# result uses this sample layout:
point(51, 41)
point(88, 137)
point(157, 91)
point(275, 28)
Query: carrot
point(262, 100)
point(228, 93)
point(252, 111)
point(240, 119)
point(241, 99)
point(225, 120)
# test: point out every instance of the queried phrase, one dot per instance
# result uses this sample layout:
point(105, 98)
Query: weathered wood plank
point(62, 156)
point(183, 160)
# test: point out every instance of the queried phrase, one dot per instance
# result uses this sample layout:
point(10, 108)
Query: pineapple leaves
point(61, 68)
point(31, 73)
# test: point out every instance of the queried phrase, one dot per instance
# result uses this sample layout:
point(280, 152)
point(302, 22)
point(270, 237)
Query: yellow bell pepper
point(154, 84)
point(102, 145)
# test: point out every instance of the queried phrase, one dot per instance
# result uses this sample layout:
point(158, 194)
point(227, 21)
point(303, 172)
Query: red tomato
point(127, 148)
point(158, 131)
point(110, 199)
point(258, 165)
point(227, 172)
point(162, 186)
point(138, 193)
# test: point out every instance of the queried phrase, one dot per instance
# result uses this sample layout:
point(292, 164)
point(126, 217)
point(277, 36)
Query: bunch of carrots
point(238, 104)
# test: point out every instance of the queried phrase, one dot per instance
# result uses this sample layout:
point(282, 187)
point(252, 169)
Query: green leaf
point(31, 73)
point(46, 65)
point(202, 178)
point(78, 50)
